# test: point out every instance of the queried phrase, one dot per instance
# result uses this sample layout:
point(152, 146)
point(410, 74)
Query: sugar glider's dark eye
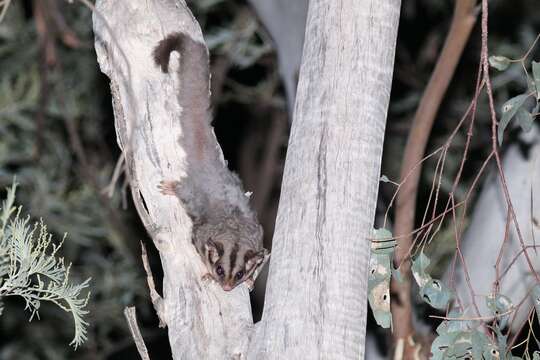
point(220, 271)
point(239, 275)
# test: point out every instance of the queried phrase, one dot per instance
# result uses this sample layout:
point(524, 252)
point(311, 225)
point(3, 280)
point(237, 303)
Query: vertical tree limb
point(317, 289)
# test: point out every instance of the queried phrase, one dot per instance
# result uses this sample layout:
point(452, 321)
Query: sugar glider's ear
point(214, 250)
point(254, 259)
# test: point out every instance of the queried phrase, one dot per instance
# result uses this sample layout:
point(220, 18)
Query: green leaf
point(462, 346)
point(509, 110)
point(396, 274)
point(535, 293)
point(448, 326)
point(524, 119)
point(418, 268)
point(499, 305)
point(536, 355)
point(385, 179)
point(500, 63)
point(536, 76)
point(501, 342)
point(441, 344)
point(380, 270)
point(383, 242)
point(436, 294)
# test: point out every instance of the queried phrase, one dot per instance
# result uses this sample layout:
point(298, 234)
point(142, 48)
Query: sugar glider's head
point(231, 263)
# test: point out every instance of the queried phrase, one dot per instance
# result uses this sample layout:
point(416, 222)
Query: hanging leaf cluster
point(432, 291)
point(524, 108)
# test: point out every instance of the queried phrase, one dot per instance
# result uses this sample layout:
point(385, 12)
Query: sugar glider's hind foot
point(168, 187)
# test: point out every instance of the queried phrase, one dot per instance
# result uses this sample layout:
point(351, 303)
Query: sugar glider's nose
point(227, 287)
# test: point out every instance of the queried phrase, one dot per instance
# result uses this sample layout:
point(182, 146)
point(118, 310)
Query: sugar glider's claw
point(168, 187)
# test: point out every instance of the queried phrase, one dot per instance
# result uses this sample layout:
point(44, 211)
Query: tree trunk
point(316, 302)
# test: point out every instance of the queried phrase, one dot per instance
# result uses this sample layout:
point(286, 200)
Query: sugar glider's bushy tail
point(194, 73)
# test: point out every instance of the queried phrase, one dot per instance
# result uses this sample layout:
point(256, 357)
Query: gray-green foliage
point(31, 268)
point(56, 190)
point(522, 108)
point(458, 337)
point(432, 291)
point(380, 273)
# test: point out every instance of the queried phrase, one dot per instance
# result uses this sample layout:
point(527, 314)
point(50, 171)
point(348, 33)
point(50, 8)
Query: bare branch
point(131, 317)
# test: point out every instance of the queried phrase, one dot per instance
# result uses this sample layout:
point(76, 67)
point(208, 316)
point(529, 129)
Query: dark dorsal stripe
point(232, 259)
point(219, 247)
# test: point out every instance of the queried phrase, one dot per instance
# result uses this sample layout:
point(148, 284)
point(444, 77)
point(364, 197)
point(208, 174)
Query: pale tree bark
point(316, 293)
point(203, 321)
point(316, 302)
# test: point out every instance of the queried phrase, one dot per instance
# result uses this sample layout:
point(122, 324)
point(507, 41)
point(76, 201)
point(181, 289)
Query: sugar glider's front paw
point(207, 278)
point(168, 187)
point(250, 283)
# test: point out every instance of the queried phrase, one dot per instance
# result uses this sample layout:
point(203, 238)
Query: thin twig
point(157, 300)
point(131, 317)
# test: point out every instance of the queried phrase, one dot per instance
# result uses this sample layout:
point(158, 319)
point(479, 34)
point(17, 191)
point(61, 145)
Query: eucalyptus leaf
point(535, 293)
point(480, 343)
point(498, 62)
point(418, 268)
point(383, 242)
point(524, 119)
point(536, 76)
point(436, 294)
point(509, 110)
point(441, 344)
point(396, 274)
point(380, 270)
point(536, 355)
point(448, 326)
point(499, 304)
point(462, 346)
point(385, 178)
point(536, 110)
point(501, 343)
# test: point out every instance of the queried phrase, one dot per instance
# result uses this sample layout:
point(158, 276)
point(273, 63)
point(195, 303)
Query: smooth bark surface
point(316, 302)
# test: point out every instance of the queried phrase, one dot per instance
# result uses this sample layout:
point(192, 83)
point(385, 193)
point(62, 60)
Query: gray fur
point(226, 232)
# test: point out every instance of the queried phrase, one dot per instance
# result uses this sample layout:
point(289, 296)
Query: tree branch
point(204, 322)
point(131, 318)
